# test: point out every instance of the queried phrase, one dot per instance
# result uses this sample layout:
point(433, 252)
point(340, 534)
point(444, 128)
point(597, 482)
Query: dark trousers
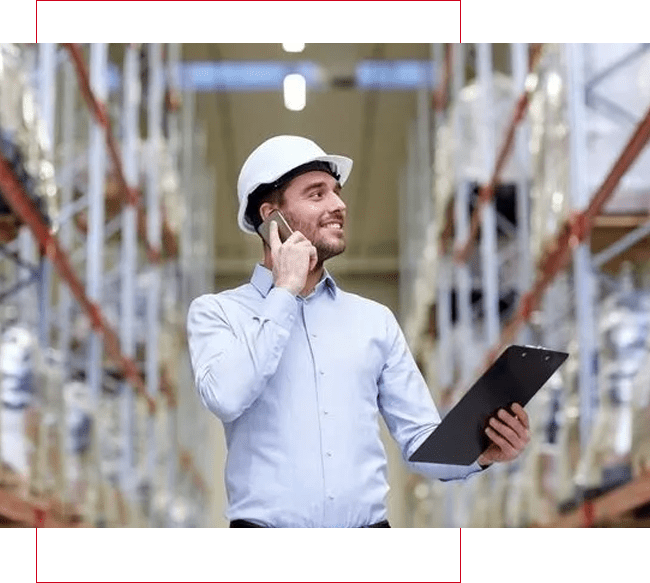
point(247, 524)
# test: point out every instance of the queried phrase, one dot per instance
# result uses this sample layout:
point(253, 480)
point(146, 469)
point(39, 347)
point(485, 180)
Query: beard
point(326, 248)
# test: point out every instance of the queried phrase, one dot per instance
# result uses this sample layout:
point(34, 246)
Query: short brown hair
point(258, 197)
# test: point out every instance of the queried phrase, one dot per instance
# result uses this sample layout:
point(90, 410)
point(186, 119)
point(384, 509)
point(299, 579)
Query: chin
point(325, 253)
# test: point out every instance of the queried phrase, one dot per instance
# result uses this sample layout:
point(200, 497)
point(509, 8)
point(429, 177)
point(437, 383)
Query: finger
point(297, 237)
point(313, 255)
point(504, 431)
point(507, 433)
point(274, 236)
point(503, 443)
point(513, 422)
point(520, 412)
point(306, 244)
point(522, 421)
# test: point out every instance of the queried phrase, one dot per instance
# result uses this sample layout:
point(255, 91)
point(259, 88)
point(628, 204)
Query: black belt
point(246, 524)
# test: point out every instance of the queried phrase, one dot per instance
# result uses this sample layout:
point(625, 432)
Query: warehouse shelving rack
point(149, 403)
point(570, 246)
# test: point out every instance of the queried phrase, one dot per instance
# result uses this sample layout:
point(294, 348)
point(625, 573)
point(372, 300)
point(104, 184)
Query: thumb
point(274, 236)
point(313, 258)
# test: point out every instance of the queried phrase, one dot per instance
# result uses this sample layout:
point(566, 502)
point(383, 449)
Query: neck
point(313, 277)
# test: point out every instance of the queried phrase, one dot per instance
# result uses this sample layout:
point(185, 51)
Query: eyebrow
point(319, 184)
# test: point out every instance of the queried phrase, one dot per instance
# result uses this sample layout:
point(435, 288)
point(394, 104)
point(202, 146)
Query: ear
point(266, 208)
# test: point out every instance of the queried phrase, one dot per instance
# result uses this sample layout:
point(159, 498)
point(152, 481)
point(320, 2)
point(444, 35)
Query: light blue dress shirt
point(299, 384)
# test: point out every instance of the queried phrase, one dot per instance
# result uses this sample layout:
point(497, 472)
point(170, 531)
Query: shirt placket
point(325, 417)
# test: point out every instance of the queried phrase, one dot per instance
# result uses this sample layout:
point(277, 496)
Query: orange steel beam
point(98, 110)
point(575, 230)
point(186, 465)
point(608, 506)
point(24, 208)
point(30, 510)
point(486, 192)
point(130, 195)
point(15, 507)
point(441, 95)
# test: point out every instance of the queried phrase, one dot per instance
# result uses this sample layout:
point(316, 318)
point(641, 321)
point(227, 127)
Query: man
point(298, 370)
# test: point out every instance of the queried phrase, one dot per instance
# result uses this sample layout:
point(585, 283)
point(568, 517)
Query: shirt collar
point(262, 280)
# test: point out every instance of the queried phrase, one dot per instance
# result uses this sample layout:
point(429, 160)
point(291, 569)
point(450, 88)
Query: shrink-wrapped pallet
point(624, 329)
point(549, 145)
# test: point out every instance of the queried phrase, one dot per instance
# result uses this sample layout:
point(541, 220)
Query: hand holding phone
point(293, 257)
point(284, 230)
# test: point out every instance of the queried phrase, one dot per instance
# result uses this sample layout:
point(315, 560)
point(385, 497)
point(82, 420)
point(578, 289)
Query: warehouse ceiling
point(371, 127)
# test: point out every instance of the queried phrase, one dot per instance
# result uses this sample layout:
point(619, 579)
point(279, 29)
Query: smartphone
point(284, 230)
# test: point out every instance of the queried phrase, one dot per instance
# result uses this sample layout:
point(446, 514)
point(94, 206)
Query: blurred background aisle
point(500, 194)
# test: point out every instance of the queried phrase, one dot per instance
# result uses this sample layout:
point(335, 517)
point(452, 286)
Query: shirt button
point(321, 372)
point(326, 412)
point(329, 454)
point(313, 335)
point(330, 496)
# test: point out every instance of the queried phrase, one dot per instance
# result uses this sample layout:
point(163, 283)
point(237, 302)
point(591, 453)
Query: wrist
point(291, 289)
point(484, 463)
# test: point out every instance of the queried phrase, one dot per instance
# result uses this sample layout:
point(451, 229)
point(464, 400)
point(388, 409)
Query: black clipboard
point(514, 377)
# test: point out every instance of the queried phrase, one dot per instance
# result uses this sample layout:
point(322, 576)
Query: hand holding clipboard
point(514, 377)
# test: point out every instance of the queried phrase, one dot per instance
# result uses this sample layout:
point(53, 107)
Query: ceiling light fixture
point(295, 92)
point(293, 47)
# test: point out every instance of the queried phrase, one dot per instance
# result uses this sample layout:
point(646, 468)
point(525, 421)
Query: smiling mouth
point(334, 226)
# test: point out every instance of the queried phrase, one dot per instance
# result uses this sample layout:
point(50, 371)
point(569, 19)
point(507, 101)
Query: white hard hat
point(273, 159)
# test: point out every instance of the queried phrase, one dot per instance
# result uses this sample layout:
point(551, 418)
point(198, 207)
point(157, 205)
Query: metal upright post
point(65, 176)
point(443, 316)
point(128, 264)
point(461, 229)
point(47, 91)
point(27, 254)
point(154, 235)
point(582, 268)
point(51, 432)
point(95, 254)
point(174, 81)
point(411, 219)
point(210, 234)
point(47, 98)
point(201, 243)
point(423, 132)
point(444, 272)
point(403, 228)
point(489, 258)
point(519, 64)
point(26, 242)
point(456, 495)
point(174, 141)
point(68, 124)
point(189, 152)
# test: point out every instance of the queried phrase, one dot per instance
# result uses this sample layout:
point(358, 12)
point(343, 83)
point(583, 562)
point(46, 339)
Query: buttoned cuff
point(281, 306)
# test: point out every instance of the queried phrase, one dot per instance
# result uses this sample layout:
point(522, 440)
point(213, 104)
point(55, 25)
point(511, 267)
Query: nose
point(339, 205)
